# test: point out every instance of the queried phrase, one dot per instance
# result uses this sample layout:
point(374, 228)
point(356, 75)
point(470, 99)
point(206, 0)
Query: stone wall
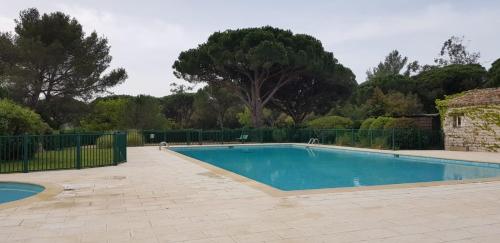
point(479, 130)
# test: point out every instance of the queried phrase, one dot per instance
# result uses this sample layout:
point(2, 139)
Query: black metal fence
point(380, 139)
point(27, 153)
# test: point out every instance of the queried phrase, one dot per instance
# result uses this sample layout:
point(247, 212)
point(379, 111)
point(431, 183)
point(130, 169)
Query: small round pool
point(11, 191)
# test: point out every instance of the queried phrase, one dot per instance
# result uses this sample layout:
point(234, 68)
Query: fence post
point(371, 137)
point(352, 137)
point(393, 145)
point(78, 152)
point(419, 137)
point(25, 154)
point(200, 136)
point(115, 148)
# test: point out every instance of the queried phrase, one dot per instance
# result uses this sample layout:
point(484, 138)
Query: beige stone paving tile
point(10, 222)
point(256, 237)
point(462, 241)
point(363, 235)
point(66, 239)
point(216, 207)
point(414, 238)
point(411, 229)
point(28, 235)
point(181, 236)
point(291, 233)
point(225, 239)
point(487, 239)
point(450, 235)
point(484, 230)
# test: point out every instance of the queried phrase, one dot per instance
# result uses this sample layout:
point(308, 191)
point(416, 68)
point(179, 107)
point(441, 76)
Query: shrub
point(135, 138)
point(380, 122)
point(16, 120)
point(105, 141)
point(367, 123)
point(400, 123)
point(325, 122)
point(344, 140)
point(364, 133)
point(279, 135)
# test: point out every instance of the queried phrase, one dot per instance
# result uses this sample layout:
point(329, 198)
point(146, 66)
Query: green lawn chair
point(242, 138)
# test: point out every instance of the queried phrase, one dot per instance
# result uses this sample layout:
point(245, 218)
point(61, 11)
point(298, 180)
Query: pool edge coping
point(275, 192)
point(51, 190)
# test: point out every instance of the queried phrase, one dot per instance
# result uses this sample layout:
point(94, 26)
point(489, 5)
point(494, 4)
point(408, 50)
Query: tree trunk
point(256, 105)
point(256, 112)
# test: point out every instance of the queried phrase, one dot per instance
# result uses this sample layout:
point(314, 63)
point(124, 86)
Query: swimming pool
point(11, 191)
point(297, 167)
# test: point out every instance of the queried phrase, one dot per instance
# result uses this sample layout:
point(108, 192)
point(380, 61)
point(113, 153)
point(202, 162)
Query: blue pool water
point(294, 167)
point(11, 191)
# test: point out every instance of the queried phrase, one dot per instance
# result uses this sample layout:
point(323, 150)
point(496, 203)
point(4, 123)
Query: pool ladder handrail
point(163, 144)
point(313, 141)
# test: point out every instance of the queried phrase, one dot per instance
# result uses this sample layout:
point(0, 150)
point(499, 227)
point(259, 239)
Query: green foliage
point(325, 122)
point(380, 122)
point(49, 56)
point(284, 121)
point(104, 142)
point(367, 123)
point(442, 105)
point(215, 106)
point(125, 112)
point(135, 138)
point(392, 104)
point(15, 120)
point(400, 123)
point(314, 92)
point(179, 107)
point(279, 135)
point(62, 111)
point(437, 82)
point(345, 139)
point(254, 63)
point(107, 115)
point(494, 75)
point(399, 104)
point(454, 51)
point(245, 117)
point(393, 64)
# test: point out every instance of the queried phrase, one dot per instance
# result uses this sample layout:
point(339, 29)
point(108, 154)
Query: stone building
point(472, 120)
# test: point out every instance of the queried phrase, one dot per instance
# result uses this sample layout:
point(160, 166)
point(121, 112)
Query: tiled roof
point(477, 97)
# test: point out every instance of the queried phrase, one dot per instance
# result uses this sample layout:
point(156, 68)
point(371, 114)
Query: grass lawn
point(61, 159)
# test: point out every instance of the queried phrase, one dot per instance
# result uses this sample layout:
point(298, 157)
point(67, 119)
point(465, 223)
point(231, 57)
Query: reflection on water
point(298, 168)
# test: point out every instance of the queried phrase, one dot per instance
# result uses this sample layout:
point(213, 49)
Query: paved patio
point(158, 197)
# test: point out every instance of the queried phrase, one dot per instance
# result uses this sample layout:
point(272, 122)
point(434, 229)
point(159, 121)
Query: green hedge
point(380, 122)
point(134, 138)
point(326, 122)
point(17, 120)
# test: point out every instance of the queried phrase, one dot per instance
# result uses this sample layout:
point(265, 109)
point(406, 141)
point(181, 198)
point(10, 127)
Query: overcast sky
point(147, 36)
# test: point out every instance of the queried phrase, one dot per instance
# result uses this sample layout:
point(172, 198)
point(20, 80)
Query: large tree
point(437, 82)
point(215, 101)
point(50, 56)
point(314, 92)
point(494, 74)
point(179, 107)
point(254, 63)
point(454, 51)
point(126, 112)
point(393, 64)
